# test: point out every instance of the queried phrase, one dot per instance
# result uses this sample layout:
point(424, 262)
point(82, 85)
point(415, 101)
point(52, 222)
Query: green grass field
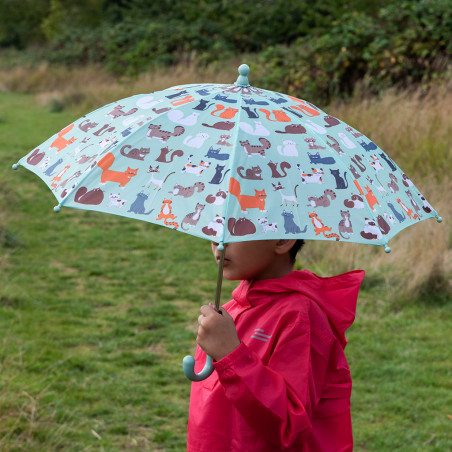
point(97, 312)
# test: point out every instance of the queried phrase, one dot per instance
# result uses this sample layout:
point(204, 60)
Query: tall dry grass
point(413, 127)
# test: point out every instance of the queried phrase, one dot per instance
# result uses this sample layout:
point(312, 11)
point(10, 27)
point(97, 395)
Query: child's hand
point(217, 335)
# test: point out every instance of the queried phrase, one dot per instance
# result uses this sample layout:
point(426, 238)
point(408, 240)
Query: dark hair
point(294, 250)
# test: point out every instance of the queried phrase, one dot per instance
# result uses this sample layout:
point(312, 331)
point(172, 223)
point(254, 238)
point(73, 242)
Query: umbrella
point(229, 163)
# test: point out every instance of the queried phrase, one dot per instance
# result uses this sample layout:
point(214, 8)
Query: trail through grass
point(97, 312)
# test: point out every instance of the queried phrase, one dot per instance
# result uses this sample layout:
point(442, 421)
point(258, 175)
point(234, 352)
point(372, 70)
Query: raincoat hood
point(336, 295)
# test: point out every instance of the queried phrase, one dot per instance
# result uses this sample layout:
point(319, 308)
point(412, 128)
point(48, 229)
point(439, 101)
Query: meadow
point(97, 311)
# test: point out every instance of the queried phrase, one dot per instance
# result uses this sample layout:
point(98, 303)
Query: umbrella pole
point(219, 278)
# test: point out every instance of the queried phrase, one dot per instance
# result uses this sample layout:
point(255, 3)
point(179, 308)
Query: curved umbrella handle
point(188, 364)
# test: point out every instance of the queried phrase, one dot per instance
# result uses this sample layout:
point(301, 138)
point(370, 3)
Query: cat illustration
point(57, 179)
point(187, 192)
point(163, 157)
point(179, 93)
point(182, 101)
point(251, 114)
point(218, 199)
point(190, 168)
point(274, 169)
point(393, 184)
point(389, 218)
point(255, 102)
point(368, 146)
point(166, 214)
point(256, 201)
point(357, 160)
point(279, 115)
point(408, 211)
point(222, 125)
point(223, 141)
point(322, 201)
point(375, 163)
point(215, 227)
point(345, 226)
point(61, 142)
point(319, 227)
point(406, 180)
point(226, 99)
point(331, 121)
point(51, 169)
point(229, 113)
point(355, 173)
point(315, 159)
point(115, 200)
point(117, 112)
point(289, 224)
point(293, 129)
point(336, 146)
point(388, 161)
point(266, 226)
point(86, 125)
point(286, 198)
point(74, 176)
point(313, 178)
point(400, 216)
point(312, 146)
point(147, 102)
point(241, 227)
point(157, 182)
point(305, 107)
point(35, 157)
point(163, 135)
point(135, 153)
point(177, 116)
point(355, 134)
point(108, 175)
point(253, 173)
point(197, 141)
point(371, 230)
point(355, 202)
point(289, 149)
point(93, 197)
point(192, 218)
point(378, 185)
point(255, 149)
point(215, 154)
point(218, 177)
point(341, 182)
point(346, 141)
point(203, 105)
point(383, 225)
point(86, 159)
point(426, 205)
point(137, 206)
point(258, 130)
point(315, 127)
point(370, 197)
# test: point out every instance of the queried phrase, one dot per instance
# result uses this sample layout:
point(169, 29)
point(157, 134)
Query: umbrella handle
point(188, 364)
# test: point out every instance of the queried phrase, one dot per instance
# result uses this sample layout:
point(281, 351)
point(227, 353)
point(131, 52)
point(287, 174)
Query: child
point(281, 380)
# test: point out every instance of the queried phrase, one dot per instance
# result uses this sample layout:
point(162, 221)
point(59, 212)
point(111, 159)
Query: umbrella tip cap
point(387, 249)
point(439, 219)
point(15, 166)
point(242, 80)
point(57, 208)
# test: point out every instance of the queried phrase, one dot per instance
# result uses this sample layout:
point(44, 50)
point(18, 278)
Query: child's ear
point(283, 246)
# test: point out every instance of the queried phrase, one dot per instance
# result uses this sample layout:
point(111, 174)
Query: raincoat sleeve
point(277, 399)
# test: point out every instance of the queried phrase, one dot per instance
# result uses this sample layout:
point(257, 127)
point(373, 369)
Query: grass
point(97, 311)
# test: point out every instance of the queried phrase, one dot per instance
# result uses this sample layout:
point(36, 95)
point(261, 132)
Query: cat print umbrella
point(229, 163)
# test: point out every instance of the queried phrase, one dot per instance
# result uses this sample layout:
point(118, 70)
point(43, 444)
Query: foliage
point(408, 42)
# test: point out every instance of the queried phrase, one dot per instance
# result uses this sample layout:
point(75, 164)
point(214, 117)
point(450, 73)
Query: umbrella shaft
point(219, 281)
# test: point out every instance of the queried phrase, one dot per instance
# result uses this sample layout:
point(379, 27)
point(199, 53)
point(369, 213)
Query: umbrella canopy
point(229, 163)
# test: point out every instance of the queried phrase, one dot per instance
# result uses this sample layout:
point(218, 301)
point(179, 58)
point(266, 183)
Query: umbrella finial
point(242, 79)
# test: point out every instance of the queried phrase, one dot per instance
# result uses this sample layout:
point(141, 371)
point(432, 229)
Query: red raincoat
point(287, 386)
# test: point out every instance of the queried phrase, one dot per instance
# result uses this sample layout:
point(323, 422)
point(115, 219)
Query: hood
point(336, 295)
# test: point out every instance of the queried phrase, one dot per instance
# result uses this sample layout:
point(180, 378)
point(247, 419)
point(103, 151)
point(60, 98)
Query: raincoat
point(287, 387)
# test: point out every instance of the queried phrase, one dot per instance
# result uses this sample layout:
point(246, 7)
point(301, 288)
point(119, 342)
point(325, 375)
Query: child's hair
point(294, 250)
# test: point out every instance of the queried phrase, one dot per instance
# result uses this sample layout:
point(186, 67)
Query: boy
point(281, 380)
